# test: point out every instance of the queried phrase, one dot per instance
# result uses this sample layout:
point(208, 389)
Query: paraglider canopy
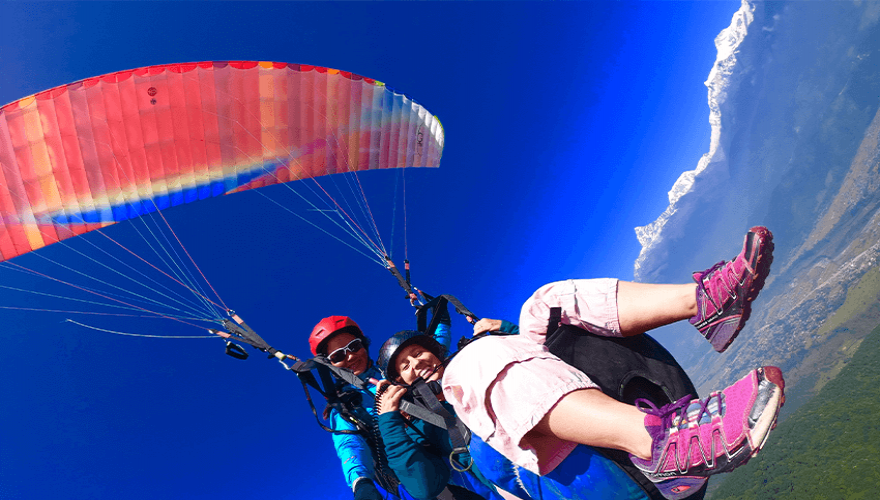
point(86, 155)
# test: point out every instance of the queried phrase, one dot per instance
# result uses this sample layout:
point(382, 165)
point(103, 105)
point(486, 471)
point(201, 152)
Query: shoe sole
point(767, 422)
point(762, 269)
point(758, 435)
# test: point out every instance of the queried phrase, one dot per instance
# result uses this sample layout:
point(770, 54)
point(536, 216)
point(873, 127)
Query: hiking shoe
point(726, 290)
point(694, 438)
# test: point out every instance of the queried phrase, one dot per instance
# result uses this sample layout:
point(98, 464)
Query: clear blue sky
point(566, 124)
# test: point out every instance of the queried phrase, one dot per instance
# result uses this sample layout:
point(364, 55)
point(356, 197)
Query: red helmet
point(330, 325)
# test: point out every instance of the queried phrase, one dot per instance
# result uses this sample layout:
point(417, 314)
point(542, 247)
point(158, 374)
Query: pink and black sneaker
point(726, 290)
point(694, 439)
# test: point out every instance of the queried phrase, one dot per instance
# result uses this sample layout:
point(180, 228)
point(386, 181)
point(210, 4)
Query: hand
point(365, 489)
point(391, 396)
point(487, 325)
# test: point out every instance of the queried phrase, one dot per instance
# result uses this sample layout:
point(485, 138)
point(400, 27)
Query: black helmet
point(399, 340)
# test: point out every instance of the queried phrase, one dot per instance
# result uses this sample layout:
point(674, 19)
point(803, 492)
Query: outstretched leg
point(718, 305)
point(588, 416)
point(678, 445)
point(644, 306)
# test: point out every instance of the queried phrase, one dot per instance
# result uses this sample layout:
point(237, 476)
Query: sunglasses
point(340, 354)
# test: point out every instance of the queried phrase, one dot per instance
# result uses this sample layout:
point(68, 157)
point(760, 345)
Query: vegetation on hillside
point(829, 448)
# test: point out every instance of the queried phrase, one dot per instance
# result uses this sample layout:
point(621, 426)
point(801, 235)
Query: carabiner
point(453, 461)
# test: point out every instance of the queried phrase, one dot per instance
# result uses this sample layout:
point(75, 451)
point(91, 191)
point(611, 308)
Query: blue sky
point(566, 124)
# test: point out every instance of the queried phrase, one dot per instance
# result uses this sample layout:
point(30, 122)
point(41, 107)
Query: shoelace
point(708, 272)
point(665, 413)
point(681, 409)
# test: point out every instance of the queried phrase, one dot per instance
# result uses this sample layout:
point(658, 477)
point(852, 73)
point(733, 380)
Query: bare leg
point(644, 306)
point(588, 416)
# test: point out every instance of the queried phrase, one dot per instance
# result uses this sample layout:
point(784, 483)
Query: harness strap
point(349, 377)
point(434, 304)
point(318, 420)
point(555, 320)
point(459, 435)
point(303, 370)
point(239, 330)
point(446, 495)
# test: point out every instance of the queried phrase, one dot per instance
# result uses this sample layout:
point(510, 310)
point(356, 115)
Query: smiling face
point(414, 361)
point(357, 362)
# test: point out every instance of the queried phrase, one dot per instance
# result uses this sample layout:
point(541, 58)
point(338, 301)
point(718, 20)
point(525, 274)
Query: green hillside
point(829, 448)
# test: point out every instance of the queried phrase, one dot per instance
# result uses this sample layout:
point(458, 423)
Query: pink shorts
point(502, 386)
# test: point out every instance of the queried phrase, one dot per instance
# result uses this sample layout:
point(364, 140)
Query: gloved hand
point(365, 489)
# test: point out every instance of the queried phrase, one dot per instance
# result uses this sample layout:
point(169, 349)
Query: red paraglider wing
point(106, 149)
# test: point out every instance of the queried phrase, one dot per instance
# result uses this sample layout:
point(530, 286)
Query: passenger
point(535, 409)
point(420, 454)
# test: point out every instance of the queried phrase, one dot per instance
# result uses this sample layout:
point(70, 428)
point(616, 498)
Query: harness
point(625, 369)
point(347, 402)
